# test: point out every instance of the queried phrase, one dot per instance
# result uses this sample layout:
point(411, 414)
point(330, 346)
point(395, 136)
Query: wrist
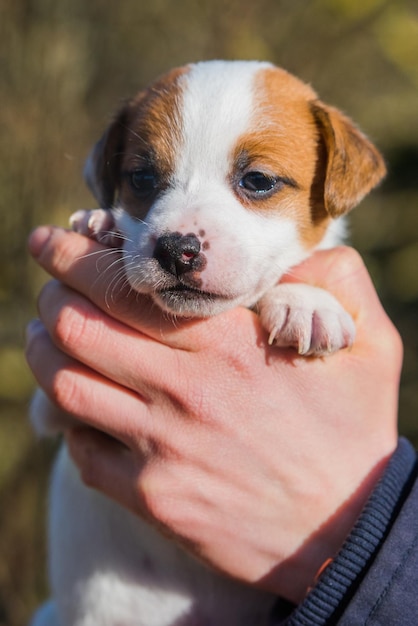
point(336, 584)
point(297, 574)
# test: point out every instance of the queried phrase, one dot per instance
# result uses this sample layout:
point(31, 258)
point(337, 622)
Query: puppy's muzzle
point(179, 254)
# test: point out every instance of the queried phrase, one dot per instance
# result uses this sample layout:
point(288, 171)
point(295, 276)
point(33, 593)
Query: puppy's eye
point(258, 183)
point(144, 181)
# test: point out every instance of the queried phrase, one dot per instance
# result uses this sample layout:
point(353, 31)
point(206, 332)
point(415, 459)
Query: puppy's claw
point(79, 222)
point(272, 337)
point(307, 319)
point(99, 224)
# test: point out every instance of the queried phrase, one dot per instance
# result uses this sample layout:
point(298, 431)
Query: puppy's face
point(222, 176)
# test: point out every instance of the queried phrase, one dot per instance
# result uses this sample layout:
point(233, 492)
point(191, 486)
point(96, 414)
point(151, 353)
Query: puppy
point(214, 181)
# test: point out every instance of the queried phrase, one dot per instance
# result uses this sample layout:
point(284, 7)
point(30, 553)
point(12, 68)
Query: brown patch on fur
point(285, 143)
point(155, 124)
point(327, 164)
point(331, 164)
point(354, 165)
point(146, 132)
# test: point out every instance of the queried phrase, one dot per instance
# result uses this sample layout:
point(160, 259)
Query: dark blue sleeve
point(374, 578)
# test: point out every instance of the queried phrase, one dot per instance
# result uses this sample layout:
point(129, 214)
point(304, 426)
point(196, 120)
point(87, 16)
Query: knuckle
point(390, 345)
point(64, 390)
point(87, 465)
point(36, 337)
point(347, 260)
point(147, 494)
point(152, 488)
point(397, 344)
point(88, 471)
point(58, 254)
point(70, 328)
point(84, 451)
point(74, 331)
point(70, 319)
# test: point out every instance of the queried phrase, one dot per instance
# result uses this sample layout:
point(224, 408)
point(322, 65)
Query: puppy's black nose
point(177, 253)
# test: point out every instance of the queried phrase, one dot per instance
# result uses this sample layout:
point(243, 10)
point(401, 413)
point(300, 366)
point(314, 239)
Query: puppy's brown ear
point(354, 166)
point(102, 168)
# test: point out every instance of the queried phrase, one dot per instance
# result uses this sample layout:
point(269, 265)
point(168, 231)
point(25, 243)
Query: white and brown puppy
point(218, 178)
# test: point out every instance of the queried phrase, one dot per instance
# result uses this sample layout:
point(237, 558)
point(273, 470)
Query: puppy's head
point(222, 175)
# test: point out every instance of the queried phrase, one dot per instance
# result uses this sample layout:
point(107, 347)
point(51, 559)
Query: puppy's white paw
point(98, 224)
point(306, 318)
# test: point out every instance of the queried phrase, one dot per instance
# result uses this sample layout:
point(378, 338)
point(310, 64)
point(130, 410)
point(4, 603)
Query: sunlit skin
point(257, 460)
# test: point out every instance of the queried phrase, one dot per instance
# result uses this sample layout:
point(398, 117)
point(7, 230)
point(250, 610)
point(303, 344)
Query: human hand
point(258, 460)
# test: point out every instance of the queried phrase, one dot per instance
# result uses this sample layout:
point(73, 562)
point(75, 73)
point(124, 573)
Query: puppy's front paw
point(98, 224)
point(306, 318)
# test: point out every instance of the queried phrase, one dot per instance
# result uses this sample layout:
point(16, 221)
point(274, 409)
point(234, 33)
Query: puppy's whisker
point(114, 233)
point(141, 221)
point(103, 253)
point(118, 261)
point(115, 286)
point(103, 256)
point(120, 280)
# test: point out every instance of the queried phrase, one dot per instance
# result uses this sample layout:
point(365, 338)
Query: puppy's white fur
point(107, 566)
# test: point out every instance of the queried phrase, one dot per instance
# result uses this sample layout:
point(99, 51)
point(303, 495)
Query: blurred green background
point(66, 64)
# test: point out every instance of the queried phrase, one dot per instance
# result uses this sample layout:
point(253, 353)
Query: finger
point(87, 267)
point(83, 264)
point(342, 272)
point(96, 273)
point(84, 332)
point(84, 393)
point(105, 464)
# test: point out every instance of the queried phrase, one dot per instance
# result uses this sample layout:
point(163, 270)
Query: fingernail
point(38, 239)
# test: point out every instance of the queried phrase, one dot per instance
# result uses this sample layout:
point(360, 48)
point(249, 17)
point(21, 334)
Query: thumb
point(342, 272)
